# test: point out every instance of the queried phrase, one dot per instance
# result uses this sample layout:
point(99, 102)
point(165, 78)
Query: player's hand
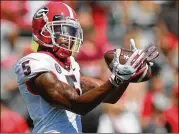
point(129, 70)
point(121, 73)
point(150, 52)
point(133, 48)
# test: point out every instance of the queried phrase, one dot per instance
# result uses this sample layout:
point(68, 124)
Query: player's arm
point(123, 73)
point(61, 94)
point(88, 83)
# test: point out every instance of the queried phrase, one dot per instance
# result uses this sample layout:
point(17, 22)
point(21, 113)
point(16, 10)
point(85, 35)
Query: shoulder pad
point(30, 65)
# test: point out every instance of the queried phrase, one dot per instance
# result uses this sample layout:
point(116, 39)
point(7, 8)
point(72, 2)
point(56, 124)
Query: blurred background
point(145, 107)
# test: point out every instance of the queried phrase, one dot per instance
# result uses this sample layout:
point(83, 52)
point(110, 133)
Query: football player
point(54, 90)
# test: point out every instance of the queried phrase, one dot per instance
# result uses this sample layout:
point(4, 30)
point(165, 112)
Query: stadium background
point(145, 107)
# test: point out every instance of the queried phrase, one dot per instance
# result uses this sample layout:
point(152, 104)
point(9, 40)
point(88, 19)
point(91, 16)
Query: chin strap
point(61, 53)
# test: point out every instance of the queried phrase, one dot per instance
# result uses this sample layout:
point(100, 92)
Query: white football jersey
point(47, 118)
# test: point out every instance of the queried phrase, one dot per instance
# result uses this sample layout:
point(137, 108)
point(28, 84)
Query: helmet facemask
point(66, 34)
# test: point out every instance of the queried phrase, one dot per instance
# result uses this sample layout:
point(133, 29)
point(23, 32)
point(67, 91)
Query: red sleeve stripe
point(30, 90)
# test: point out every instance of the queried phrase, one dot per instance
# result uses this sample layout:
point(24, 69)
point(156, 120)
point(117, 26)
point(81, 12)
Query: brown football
point(124, 56)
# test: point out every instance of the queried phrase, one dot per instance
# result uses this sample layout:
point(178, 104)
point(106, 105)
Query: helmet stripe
point(70, 10)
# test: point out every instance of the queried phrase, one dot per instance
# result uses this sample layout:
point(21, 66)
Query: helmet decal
point(39, 13)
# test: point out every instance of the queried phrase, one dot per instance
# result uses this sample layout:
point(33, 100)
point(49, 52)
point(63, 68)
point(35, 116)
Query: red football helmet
point(55, 26)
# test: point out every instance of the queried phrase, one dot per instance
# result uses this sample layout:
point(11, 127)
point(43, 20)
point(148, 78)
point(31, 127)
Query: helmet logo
point(39, 13)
